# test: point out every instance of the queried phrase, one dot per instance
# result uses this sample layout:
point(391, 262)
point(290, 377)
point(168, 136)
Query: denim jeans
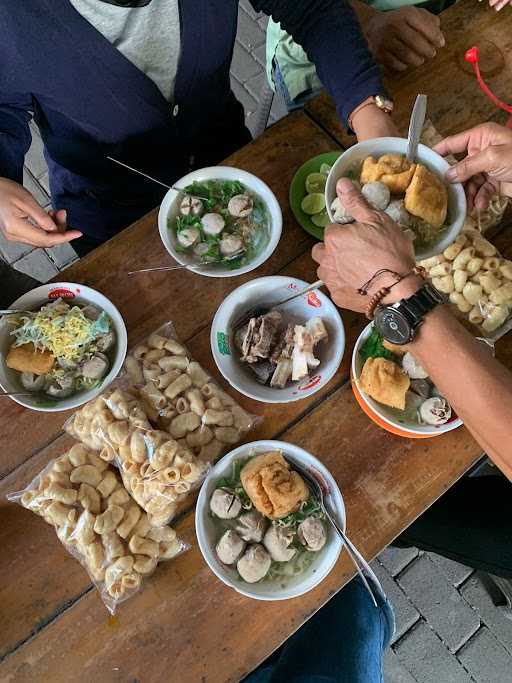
point(342, 643)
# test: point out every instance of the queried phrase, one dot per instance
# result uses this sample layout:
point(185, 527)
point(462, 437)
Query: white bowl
point(207, 532)
point(265, 291)
point(169, 209)
point(9, 379)
point(387, 417)
point(352, 158)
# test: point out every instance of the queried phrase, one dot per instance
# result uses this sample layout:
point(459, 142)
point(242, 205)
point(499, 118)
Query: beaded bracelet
point(384, 291)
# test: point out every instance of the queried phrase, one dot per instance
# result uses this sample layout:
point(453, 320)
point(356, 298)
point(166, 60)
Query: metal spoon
point(258, 311)
point(362, 566)
point(14, 311)
point(416, 123)
point(189, 266)
point(15, 393)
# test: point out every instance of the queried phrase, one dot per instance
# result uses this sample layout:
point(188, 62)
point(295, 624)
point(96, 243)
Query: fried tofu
point(385, 381)
point(391, 169)
point(275, 490)
point(26, 358)
point(427, 197)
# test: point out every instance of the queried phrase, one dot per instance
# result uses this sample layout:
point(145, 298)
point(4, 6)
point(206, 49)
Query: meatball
point(240, 206)
point(412, 367)
point(397, 211)
point(251, 526)
point(32, 382)
point(277, 541)
point(213, 223)
point(312, 534)
point(96, 367)
point(225, 504)
point(254, 563)
point(188, 236)
point(435, 411)
point(230, 547)
point(376, 194)
point(230, 244)
point(191, 205)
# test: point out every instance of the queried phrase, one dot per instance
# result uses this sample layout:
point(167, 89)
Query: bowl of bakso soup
point(396, 392)
point(415, 195)
point(260, 529)
point(220, 221)
point(67, 343)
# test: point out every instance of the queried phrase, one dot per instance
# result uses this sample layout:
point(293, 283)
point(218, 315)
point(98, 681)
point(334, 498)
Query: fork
point(257, 311)
point(360, 563)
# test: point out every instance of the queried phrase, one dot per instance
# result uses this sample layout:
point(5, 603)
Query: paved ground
point(448, 630)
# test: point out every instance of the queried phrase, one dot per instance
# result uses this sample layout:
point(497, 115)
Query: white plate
point(169, 209)
point(72, 293)
point(265, 291)
point(207, 531)
point(352, 158)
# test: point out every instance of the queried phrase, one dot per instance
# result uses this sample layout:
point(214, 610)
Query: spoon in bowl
point(362, 566)
point(190, 266)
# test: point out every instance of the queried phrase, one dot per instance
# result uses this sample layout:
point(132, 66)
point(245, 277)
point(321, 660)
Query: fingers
point(60, 219)
point(484, 195)
point(354, 202)
point(391, 62)
point(428, 25)
point(318, 252)
point(417, 42)
point(482, 135)
point(483, 162)
point(406, 54)
point(20, 230)
point(31, 209)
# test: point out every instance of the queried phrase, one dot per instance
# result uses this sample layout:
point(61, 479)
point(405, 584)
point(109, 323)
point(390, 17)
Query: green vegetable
point(374, 348)
point(307, 509)
point(233, 483)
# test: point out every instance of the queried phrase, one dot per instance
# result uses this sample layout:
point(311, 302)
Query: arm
point(330, 34)
point(21, 217)
point(478, 387)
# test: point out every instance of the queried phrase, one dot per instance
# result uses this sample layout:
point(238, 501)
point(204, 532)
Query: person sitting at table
point(401, 34)
point(344, 641)
point(146, 82)
point(471, 521)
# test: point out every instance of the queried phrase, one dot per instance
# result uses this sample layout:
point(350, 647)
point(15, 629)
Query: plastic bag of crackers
point(162, 424)
point(477, 280)
point(180, 397)
point(96, 520)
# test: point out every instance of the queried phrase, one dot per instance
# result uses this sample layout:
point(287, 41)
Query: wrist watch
point(398, 322)
point(385, 103)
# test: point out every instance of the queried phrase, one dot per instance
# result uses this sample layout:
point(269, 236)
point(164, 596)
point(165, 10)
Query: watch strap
point(416, 307)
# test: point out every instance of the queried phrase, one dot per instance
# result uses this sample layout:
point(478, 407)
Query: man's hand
point(23, 220)
point(487, 168)
point(353, 253)
point(404, 38)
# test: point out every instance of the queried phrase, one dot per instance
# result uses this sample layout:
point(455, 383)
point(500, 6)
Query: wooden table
point(185, 626)
point(455, 99)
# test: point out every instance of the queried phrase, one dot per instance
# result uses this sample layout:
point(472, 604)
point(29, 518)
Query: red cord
point(472, 56)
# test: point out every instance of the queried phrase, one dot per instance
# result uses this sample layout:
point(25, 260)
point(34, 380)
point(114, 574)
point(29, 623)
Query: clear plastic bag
point(477, 280)
point(179, 396)
point(96, 520)
point(163, 424)
point(157, 470)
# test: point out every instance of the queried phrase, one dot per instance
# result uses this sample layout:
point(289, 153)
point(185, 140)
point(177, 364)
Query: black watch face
point(393, 326)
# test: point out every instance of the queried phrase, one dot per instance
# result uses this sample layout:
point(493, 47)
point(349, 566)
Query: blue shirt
point(90, 101)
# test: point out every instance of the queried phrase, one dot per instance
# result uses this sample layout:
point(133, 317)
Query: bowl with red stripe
point(265, 292)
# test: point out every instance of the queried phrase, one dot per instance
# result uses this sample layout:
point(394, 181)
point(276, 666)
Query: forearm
point(477, 386)
point(330, 33)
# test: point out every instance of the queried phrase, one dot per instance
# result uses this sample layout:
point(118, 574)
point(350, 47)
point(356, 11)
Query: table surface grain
point(185, 626)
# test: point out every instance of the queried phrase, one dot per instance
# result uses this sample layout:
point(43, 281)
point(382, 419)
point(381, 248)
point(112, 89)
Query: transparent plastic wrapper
point(477, 280)
point(96, 520)
point(157, 470)
point(179, 396)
